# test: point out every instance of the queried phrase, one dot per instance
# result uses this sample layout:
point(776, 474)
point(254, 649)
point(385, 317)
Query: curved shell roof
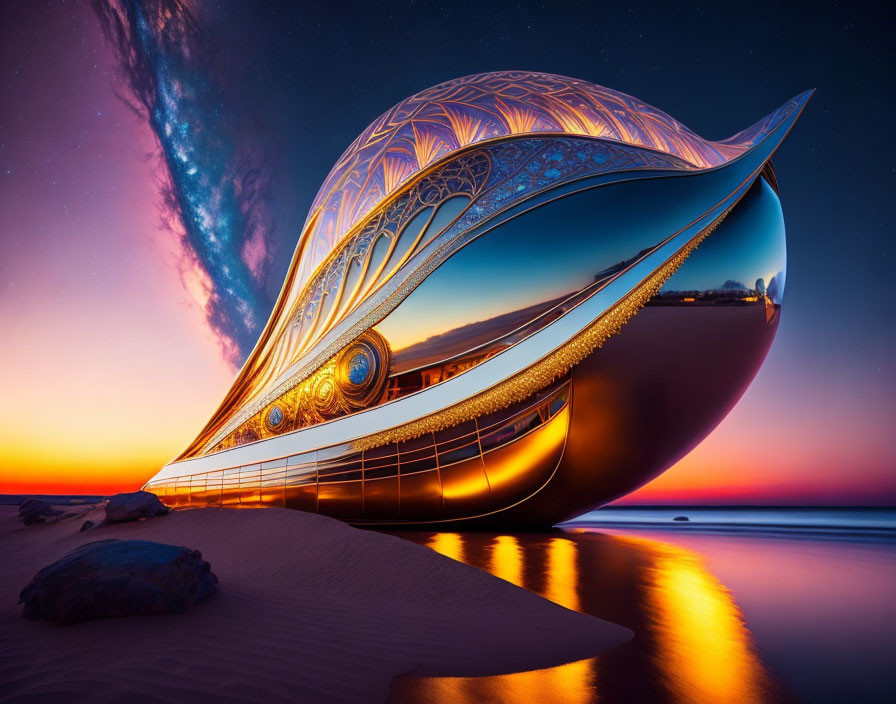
point(450, 116)
point(412, 137)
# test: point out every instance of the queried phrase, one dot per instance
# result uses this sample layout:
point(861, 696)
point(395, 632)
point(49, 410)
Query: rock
point(133, 506)
point(36, 511)
point(110, 578)
point(681, 518)
point(87, 526)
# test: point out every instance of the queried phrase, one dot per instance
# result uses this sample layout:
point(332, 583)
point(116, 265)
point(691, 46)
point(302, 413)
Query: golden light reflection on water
point(705, 650)
point(569, 684)
point(690, 644)
point(507, 560)
point(448, 544)
point(575, 679)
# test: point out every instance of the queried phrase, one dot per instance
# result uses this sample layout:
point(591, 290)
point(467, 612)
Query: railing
point(267, 482)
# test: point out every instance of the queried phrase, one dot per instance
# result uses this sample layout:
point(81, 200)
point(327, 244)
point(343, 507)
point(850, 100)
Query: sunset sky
point(122, 327)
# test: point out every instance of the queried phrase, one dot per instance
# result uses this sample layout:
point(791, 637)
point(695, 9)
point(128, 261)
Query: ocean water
point(837, 522)
point(733, 605)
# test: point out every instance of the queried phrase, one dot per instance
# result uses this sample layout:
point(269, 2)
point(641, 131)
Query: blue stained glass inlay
point(275, 417)
point(358, 368)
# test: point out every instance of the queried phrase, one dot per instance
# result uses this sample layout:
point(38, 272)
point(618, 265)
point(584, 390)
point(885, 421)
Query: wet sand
point(308, 609)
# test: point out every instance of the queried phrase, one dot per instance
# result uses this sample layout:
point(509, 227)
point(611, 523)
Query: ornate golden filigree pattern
point(475, 109)
point(436, 145)
point(350, 381)
point(498, 177)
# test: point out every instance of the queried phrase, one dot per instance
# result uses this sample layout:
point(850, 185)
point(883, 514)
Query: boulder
point(134, 506)
point(87, 525)
point(36, 511)
point(110, 578)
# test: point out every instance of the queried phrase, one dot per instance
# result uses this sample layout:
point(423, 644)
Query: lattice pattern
point(450, 116)
point(518, 170)
point(416, 155)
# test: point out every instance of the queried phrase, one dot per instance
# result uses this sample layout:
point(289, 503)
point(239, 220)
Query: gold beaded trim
point(545, 371)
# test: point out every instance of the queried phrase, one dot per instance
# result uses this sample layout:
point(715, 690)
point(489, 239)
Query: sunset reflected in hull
point(434, 291)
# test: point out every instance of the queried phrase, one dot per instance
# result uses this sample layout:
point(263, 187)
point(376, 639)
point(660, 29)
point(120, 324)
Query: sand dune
point(308, 609)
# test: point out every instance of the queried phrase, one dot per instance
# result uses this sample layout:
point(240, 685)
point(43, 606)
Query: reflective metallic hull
point(533, 326)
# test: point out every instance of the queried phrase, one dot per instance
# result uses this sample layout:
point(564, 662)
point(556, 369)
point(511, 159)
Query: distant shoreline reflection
point(690, 645)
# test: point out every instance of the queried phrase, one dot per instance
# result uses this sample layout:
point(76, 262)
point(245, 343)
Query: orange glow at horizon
point(104, 412)
point(791, 440)
point(108, 362)
point(112, 411)
point(109, 366)
point(821, 456)
point(100, 391)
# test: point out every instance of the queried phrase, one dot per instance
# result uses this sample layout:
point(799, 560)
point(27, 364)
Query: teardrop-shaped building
point(517, 296)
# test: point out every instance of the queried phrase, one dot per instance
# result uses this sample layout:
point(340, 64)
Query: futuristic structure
point(517, 296)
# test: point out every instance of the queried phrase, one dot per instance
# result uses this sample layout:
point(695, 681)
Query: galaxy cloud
point(214, 189)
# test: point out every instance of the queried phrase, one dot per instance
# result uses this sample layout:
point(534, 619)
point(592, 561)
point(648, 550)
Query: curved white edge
point(344, 430)
point(448, 393)
point(313, 357)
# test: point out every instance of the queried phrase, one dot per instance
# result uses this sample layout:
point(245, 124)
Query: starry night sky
point(121, 238)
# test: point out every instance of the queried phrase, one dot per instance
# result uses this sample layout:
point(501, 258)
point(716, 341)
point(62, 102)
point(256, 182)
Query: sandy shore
point(308, 609)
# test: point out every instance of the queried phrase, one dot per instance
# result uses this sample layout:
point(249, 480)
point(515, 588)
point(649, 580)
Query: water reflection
point(704, 649)
point(690, 645)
